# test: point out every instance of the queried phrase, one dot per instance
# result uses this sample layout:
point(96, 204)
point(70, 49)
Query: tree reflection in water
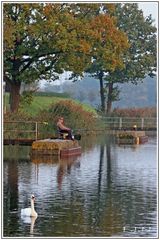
point(64, 168)
point(105, 190)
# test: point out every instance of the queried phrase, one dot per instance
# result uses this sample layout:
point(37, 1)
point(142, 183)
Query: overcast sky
point(150, 8)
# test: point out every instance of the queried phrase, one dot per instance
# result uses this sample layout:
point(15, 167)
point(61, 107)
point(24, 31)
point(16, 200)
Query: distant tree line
point(85, 90)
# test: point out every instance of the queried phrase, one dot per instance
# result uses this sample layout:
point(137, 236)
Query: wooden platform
point(53, 159)
point(70, 151)
point(57, 147)
point(22, 142)
point(131, 137)
point(132, 133)
point(143, 139)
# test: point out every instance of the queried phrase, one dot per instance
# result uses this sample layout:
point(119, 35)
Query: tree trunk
point(100, 76)
point(109, 98)
point(14, 96)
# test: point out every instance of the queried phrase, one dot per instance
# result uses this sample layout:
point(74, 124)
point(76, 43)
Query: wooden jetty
point(18, 141)
point(131, 137)
point(56, 147)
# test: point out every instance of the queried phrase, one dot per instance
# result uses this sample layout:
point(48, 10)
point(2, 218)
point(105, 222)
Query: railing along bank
point(36, 130)
point(22, 129)
point(129, 122)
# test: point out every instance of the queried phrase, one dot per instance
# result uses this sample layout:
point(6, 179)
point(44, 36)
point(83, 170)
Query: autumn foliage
point(42, 41)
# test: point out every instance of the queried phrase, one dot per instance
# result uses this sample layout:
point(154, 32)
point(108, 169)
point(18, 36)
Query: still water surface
point(108, 191)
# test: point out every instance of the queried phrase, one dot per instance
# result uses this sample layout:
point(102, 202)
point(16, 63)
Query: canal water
point(108, 191)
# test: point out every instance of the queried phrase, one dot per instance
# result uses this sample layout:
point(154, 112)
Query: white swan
point(30, 212)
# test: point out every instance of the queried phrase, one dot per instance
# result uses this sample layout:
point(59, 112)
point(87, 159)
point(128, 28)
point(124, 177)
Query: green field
point(42, 101)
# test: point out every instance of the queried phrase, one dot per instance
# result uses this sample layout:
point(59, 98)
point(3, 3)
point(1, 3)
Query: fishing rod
point(73, 130)
point(79, 129)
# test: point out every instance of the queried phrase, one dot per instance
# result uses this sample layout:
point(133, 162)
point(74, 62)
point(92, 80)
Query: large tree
point(43, 40)
point(138, 61)
point(40, 42)
point(109, 49)
point(108, 42)
point(109, 52)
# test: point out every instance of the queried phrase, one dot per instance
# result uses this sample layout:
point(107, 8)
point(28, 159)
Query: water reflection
point(64, 165)
point(109, 190)
point(30, 221)
point(64, 168)
point(13, 186)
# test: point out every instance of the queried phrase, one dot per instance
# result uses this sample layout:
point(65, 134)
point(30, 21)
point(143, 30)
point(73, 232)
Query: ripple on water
point(109, 191)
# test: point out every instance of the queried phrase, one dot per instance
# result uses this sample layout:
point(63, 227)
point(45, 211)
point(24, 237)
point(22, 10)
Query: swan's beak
point(33, 197)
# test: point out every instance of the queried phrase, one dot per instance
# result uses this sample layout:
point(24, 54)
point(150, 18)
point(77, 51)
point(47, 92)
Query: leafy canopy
point(140, 59)
point(41, 40)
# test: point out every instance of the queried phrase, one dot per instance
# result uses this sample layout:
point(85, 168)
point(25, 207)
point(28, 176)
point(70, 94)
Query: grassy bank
point(46, 109)
point(41, 101)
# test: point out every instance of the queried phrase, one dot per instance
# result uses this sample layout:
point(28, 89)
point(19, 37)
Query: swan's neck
point(32, 204)
point(33, 212)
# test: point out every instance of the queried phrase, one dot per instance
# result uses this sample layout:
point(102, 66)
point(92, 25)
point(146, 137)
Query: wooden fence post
point(120, 123)
point(36, 130)
point(142, 123)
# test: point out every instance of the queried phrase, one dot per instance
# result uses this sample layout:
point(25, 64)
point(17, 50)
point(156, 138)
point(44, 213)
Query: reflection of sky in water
point(137, 166)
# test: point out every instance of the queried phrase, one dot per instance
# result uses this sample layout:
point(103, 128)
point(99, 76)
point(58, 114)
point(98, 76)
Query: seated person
point(63, 129)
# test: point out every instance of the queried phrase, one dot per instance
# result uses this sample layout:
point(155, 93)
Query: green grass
point(86, 107)
point(39, 103)
point(42, 102)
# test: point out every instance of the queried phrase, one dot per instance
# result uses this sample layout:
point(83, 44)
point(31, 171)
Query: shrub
point(74, 114)
point(17, 116)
